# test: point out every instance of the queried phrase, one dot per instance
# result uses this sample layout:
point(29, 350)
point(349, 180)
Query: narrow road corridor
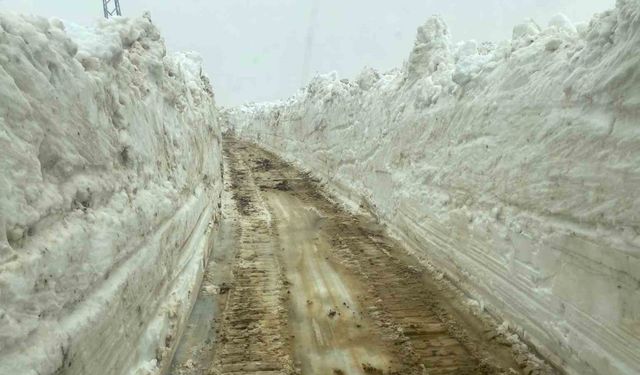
point(314, 289)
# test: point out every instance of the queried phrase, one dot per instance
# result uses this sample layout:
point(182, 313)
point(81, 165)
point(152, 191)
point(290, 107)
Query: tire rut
point(253, 328)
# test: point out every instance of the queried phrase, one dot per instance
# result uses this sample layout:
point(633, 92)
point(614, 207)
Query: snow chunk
point(367, 78)
point(469, 61)
point(430, 53)
point(528, 28)
point(562, 22)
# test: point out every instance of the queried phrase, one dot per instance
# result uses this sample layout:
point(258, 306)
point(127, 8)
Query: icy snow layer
point(515, 168)
point(109, 184)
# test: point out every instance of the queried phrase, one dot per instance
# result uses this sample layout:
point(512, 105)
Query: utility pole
point(111, 8)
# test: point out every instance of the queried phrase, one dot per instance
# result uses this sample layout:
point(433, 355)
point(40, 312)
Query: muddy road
point(299, 286)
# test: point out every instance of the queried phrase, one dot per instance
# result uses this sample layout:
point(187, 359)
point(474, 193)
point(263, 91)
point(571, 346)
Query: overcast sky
point(255, 50)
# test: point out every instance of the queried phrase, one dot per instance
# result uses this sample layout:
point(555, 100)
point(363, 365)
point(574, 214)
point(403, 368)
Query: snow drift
point(109, 185)
point(513, 167)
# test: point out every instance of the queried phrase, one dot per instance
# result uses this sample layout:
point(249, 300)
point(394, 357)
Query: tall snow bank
point(513, 167)
point(109, 184)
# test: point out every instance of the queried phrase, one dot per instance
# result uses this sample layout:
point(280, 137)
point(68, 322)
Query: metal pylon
point(111, 8)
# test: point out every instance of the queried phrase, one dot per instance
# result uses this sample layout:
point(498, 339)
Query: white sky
point(254, 50)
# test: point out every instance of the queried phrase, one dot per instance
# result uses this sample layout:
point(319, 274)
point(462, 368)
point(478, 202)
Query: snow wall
point(515, 168)
point(110, 178)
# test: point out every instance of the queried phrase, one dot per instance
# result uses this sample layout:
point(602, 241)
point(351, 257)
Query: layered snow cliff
point(109, 184)
point(513, 167)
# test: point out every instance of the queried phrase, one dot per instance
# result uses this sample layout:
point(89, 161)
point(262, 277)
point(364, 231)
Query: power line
point(111, 8)
point(308, 47)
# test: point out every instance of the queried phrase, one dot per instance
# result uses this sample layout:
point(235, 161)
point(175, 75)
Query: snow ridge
point(109, 183)
point(513, 167)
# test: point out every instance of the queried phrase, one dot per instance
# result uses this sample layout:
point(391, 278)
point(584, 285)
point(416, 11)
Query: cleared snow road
point(316, 290)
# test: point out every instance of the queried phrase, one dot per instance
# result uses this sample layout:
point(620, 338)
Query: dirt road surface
point(297, 285)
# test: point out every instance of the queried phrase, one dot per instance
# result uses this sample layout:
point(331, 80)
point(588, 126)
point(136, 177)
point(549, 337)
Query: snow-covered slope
point(109, 185)
point(513, 167)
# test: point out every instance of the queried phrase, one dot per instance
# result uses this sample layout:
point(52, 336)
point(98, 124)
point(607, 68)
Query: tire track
point(253, 329)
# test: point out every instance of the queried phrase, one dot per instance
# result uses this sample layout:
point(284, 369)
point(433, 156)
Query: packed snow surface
point(109, 184)
point(513, 167)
